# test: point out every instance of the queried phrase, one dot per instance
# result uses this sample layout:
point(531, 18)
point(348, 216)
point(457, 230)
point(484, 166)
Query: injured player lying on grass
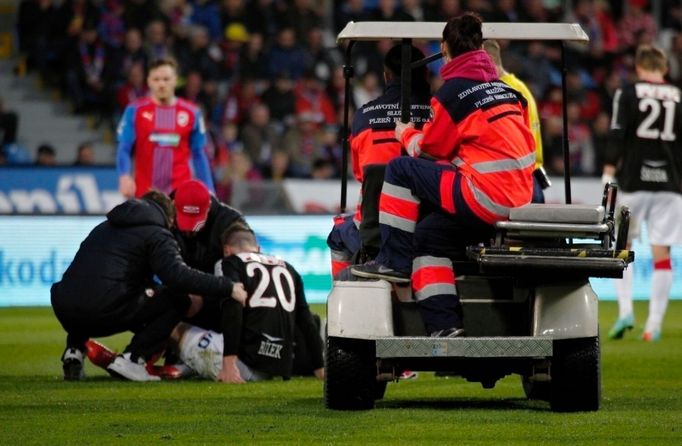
point(253, 342)
point(193, 353)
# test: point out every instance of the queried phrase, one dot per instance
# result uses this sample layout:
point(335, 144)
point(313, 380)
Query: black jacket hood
point(137, 212)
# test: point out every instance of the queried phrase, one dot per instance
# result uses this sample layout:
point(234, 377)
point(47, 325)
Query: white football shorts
point(662, 213)
point(202, 350)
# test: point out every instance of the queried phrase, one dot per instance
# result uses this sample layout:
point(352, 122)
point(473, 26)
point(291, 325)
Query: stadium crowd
point(269, 77)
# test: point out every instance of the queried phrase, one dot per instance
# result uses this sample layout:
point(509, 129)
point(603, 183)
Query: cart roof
point(434, 31)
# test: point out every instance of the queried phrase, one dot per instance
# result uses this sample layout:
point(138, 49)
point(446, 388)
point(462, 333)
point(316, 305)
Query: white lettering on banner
point(74, 194)
point(28, 201)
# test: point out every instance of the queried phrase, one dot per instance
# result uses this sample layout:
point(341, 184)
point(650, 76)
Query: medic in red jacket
point(481, 126)
point(373, 143)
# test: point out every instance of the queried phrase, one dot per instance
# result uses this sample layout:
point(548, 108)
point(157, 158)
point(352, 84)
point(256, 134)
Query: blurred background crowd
point(268, 74)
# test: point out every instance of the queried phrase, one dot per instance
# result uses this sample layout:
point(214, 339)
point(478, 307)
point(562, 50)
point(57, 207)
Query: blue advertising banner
point(58, 190)
point(35, 251)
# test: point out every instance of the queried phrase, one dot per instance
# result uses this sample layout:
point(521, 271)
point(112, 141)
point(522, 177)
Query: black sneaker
point(72, 363)
point(375, 270)
point(453, 332)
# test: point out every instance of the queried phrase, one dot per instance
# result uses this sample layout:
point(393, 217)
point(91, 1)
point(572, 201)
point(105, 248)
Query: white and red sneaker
point(99, 354)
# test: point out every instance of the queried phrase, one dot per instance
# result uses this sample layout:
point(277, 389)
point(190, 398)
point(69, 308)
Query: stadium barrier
point(35, 251)
point(46, 212)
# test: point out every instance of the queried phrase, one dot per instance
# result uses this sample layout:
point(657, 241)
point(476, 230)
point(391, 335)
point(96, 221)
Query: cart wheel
point(380, 390)
point(576, 375)
point(350, 379)
point(536, 390)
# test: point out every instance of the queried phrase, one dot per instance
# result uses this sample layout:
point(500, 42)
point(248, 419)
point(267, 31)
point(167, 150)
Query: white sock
point(624, 291)
point(661, 283)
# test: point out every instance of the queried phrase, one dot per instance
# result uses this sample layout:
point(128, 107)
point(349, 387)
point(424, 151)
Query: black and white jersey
point(645, 141)
point(262, 334)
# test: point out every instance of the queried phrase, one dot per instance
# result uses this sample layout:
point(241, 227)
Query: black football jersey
point(645, 140)
point(263, 338)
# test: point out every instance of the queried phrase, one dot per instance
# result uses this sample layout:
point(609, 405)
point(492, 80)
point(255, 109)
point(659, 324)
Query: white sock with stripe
point(624, 291)
point(661, 283)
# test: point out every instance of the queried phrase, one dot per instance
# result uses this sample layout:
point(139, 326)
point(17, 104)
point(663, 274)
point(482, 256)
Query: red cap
point(192, 203)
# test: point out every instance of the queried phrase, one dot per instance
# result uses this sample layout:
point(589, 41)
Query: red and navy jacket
point(372, 139)
point(479, 124)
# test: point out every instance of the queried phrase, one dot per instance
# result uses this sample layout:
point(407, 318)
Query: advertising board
point(35, 251)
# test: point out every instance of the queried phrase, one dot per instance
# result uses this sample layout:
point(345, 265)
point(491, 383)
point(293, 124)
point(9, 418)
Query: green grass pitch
point(642, 401)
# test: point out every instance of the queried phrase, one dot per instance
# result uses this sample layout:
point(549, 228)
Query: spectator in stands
point(239, 168)
point(85, 156)
point(322, 169)
point(303, 16)
point(367, 89)
point(235, 39)
point(111, 27)
point(582, 95)
point(286, 57)
point(414, 9)
point(536, 68)
point(133, 89)
point(123, 59)
point(139, 13)
point(600, 135)
point(504, 11)
point(192, 90)
point(156, 41)
point(635, 25)
point(39, 37)
point(581, 148)
point(312, 100)
point(259, 136)
point(607, 28)
point(281, 100)
point(303, 143)
point(86, 83)
point(199, 54)
point(322, 60)
point(253, 62)
point(389, 10)
point(206, 14)
point(331, 148)
point(240, 99)
point(264, 16)
point(9, 123)
point(348, 11)
point(75, 15)
point(606, 90)
point(444, 9)
point(675, 59)
point(232, 12)
point(280, 166)
point(46, 155)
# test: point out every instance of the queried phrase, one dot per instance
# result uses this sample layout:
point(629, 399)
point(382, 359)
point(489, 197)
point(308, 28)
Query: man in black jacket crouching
point(109, 287)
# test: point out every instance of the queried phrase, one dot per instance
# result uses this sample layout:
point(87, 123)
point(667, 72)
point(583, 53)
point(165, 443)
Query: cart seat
point(556, 220)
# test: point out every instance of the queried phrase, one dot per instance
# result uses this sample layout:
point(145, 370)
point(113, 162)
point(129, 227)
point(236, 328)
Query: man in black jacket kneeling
point(109, 287)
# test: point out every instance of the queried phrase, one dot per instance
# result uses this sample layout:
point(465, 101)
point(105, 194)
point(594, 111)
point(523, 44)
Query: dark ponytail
point(463, 34)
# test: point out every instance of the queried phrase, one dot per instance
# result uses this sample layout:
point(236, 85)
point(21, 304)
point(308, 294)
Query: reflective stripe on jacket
point(480, 124)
